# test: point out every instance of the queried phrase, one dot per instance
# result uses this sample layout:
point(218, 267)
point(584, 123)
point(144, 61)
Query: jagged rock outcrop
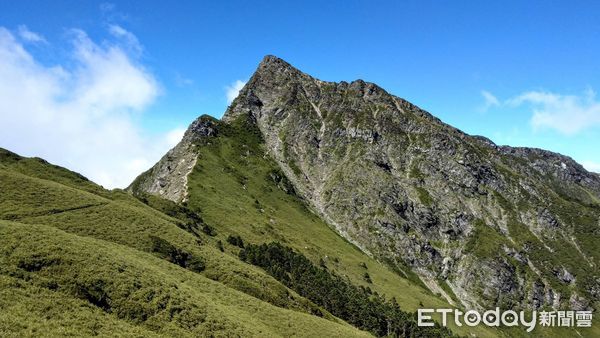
point(168, 178)
point(481, 224)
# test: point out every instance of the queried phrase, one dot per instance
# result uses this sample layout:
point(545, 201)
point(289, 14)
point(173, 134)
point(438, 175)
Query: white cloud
point(81, 115)
point(568, 114)
point(111, 14)
point(30, 36)
point(591, 166)
point(182, 81)
point(130, 40)
point(233, 90)
point(490, 101)
point(107, 7)
point(174, 136)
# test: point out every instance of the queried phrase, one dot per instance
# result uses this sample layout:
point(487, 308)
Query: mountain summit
point(480, 224)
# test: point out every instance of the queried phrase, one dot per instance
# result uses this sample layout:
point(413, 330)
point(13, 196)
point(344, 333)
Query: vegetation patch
point(171, 253)
point(484, 241)
point(424, 196)
point(359, 306)
point(236, 241)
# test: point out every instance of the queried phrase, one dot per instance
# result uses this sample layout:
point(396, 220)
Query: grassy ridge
point(78, 259)
point(136, 288)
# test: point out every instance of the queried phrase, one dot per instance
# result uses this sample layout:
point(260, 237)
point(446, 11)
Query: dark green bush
point(236, 240)
point(171, 253)
point(358, 306)
point(207, 229)
point(367, 278)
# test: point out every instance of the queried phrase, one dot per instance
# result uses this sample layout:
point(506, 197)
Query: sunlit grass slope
point(76, 259)
point(137, 291)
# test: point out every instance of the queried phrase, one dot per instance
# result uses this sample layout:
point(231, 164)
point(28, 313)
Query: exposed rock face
point(495, 225)
point(168, 178)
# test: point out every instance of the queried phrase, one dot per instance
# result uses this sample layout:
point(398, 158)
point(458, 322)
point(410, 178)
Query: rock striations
point(482, 225)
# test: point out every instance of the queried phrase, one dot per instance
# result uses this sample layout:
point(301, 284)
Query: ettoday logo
point(507, 318)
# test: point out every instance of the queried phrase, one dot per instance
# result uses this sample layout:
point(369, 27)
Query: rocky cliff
point(482, 225)
point(168, 177)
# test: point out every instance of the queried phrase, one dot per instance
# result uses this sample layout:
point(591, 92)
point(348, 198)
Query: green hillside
point(79, 260)
point(238, 189)
point(76, 259)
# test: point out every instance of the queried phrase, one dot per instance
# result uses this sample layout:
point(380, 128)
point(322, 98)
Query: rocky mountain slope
point(79, 260)
point(482, 225)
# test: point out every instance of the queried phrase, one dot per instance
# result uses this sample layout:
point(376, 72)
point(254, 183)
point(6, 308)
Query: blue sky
point(121, 80)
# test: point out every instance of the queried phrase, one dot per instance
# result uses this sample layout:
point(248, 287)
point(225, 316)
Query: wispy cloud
point(591, 166)
point(489, 101)
point(182, 81)
point(233, 90)
point(567, 114)
point(128, 38)
point(30, 36)
point(82, 114)
point(107, 7)
point(111, 14)
point(174, 136)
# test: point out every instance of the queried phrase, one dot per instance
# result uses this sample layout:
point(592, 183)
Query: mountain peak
point(381, 171)
point(272, 60)
point(272, 76)
point(272, 65)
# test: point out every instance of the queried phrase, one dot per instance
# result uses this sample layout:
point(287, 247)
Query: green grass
point(359, 306)
point(128, 222)
point(34, 311)
point(76, 259)
point(424, 196)
point(484, 241)
point(125, 291)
